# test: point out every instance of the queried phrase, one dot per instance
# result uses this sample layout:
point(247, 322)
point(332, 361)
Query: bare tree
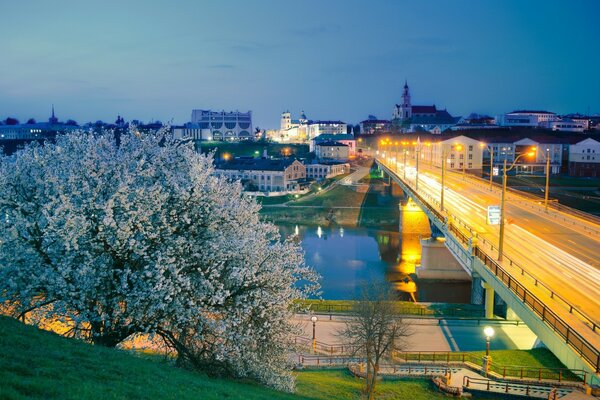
point(375, 330)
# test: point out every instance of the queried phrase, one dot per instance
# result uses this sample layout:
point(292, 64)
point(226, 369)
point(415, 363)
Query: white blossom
point(140, 236)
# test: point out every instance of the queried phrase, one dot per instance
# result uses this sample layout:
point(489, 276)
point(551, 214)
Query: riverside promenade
point(430, 334)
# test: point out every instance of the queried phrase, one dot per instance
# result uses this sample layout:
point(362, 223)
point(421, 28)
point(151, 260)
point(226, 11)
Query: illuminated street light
point(530, 153)
point(488, 331)
point(547, 190)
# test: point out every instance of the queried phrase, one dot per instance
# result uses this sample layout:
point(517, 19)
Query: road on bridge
point(561, 250)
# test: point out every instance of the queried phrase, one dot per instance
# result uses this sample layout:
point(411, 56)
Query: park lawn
point(340, 384)
point(36, 364)
point(406, 307)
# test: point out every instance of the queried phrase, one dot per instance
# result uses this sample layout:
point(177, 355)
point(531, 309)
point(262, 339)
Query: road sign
point(493, 215)
point(495, 171)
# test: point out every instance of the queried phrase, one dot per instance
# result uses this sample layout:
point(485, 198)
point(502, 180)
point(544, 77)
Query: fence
point(572, 338)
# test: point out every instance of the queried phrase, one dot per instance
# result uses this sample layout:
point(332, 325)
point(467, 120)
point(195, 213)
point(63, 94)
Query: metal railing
point(586, 350)
point(400, 309)
point(441, 359)
point(527, 389)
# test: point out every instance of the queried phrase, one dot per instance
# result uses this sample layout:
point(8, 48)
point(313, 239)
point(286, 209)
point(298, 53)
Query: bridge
point(549, 273)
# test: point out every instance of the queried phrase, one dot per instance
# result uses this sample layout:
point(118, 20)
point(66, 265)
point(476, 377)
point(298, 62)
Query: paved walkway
point(431, 334)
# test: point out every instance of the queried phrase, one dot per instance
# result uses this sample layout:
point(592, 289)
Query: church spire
point(53, 119)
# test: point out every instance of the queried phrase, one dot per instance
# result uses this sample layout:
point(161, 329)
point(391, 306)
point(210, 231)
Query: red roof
point(424, 110)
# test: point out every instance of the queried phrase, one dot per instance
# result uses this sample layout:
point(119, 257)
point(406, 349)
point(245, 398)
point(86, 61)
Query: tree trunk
point(374, 382)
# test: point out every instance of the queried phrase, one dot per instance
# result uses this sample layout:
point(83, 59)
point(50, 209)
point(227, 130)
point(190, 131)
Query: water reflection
point(345, 257)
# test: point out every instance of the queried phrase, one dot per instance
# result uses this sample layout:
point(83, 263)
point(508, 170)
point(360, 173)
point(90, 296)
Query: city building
point(330, 150)
point(219, 125)
point(344, 138)
point(527, 118)
point(326, 169)
point(584, 158)
point(460, 153)
point(412, 118)
point(567, 125)
point(374, 126)
point(36, 130)
point(264, 174)
point(302, 130)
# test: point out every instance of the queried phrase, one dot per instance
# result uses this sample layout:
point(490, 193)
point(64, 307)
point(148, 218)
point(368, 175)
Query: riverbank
point(341, 206)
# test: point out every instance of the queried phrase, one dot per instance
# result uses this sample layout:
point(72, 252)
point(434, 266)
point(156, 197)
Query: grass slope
point(36, 364)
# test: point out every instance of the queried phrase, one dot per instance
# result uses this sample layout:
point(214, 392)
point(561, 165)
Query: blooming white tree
point(137, 234)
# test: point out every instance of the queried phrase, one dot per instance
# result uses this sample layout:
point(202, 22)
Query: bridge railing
point(586, 350)
point(574, 339)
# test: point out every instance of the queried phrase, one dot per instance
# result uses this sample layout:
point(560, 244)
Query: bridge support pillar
point(489, 300)
point(476, 289)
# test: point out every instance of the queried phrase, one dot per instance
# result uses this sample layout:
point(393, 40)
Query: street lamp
point(488, 331)
point(530, 153)
point(547, 157)
point(314, 337)
point(459, 147)
point(491, 150)
point(444, 155)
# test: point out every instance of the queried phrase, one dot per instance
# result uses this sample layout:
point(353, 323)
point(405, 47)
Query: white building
point(526, 165)
point(344, 138)
point(584, 158)
point(527, 118)
point(331, 150)
point(302, 130)
point(220, 125)
point(264, 174)
point(323, 170)
point(461, 152)
point(567, 125)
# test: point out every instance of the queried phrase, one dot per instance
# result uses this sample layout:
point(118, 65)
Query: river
point(345, 257)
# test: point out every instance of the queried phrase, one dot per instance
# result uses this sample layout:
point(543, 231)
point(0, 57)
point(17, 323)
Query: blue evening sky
point(334, 59)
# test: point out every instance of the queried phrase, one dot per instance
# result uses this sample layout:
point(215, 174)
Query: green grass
point(41, 365)
point(36, 364)
point(405, 307)
point(340, 384)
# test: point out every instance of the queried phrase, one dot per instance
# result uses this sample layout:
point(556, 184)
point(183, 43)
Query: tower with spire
point(53, 119)
point(405, 107)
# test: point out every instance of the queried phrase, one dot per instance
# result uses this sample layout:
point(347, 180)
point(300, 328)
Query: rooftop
point(256, 164)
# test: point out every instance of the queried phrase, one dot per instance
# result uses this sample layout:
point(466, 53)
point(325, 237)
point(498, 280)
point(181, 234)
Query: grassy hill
point(36, 364)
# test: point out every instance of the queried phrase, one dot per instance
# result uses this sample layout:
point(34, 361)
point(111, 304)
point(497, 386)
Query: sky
point(158, 60)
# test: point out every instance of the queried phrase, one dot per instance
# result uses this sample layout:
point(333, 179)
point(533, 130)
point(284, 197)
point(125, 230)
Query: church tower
point(53, 119)
point(405, 108)
point(286, 120)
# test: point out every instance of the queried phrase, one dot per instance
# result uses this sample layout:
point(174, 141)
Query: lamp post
point(417, 153)
point(460, 147)
point(504, 171)
point(444, 155)
point(405, 152)
point(488, 331)
point(547, 156)
point(396, 160)
point(314, 337)
point(491, 150)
